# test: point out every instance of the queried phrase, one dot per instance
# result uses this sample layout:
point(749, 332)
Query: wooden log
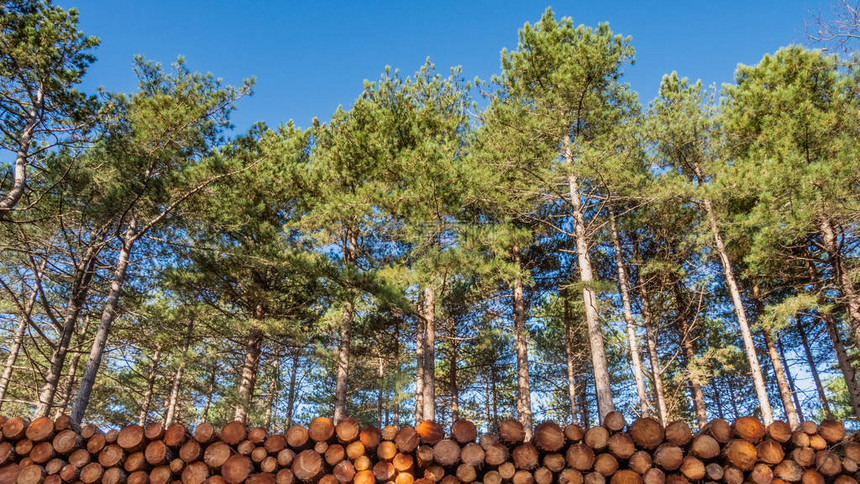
point(668, 457)
point(407, 439)
point(157, 453)
point(692, 468)
point(843, 479)
point(344, 471)
point(275, 443)
point(68, 473)
point(404, 478)
point(554, 462)
point(472, 454)
point(42, 452)
point(507, 470)
point(492, 477)
point(640, 462)
point(549, 437)
point(88, 430)
point(435, 472)
point(849, 465)
point(511, 432)
point(626, 476)
point(463, 431)
point(388, 432)
point(804, 456)
point(308, 466)
point(160, 475)
point(800, 439)
point(817, 442)
point(130, 438)
point(54, 466)
point(363, 463)
point(135, 461)
point(355, 449)
point(23, 447)
point(190, 451)
point(297, 437)
point(9, 473)
point(111, 436)
point(111, 456)
point(216, 455)
point(96, 443)
point(593, 478)
point(7, 453)
point(676, 479)
point(269, 464)
point(370, 437)
point(496, 454)
point(321, 429)
point(574, 433)
point(567, 476)
point(749, 428)
point(526, 456)
point(714, 471)
point(364, 477)
point(114, 475)
point(153, 431)
point(334, 454)
point(14, 429)
point(446, 453)
point(852, 450)
point(175, 435)
point(284, 476)
point(429, 432)
point(347, 430)
point(720, 430)
point(789, 471)
point(542, 475)
point(811, 476)
point(809, 427)
point(320, 447)
point(779, 431)
point(605, 464)
point(91, 473)
point(65, 441)
point(32, 474)
point(647, 433)
point(262, 478)
point(138, 477)
point(204, 433)
point(80, 458)
point(40, 429)
point(597, 438)
point(386, 450)
point(621, 446)
point(614, 421)
point(234, 432)
point(260, 453)
point(176, 466)
point(236, 469)
point(678, 433)
point(522, 477)
point(285, 457)
point(770, 451)
point(245, 447)
point(828, 463)
point(740, 453)
point(580, 457)
point(257, 435)
point(383, 471)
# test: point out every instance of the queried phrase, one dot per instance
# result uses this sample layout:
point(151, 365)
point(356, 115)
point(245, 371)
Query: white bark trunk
point(429, 390)
point(524, 405)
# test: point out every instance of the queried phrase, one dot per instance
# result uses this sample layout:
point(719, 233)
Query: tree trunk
point(813, 368)
point(568, 350)
point(380, 384)
point(787, 367)
point(429, 353)
point(689, 357)
point(343, 349)
point(599, 364)
point(108, 316)
point(291, 392)
point(150, 385)
point(25, 138)
point(781, 380)
point(746, 334)
point(271, 398)
point(83, 275)
point(170, 415)
point(843, 277)
point(524, 406)
point(584, 413)
point(419, 365)
point(18, 338)
point(250, 365)
point(635, 358)
point(656, 372)
point(73, 369)
point(453, 384)
point(210, 391)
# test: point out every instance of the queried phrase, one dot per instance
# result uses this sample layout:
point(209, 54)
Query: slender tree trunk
point(380, 375)
point(746, 334)
point(694, 383)
point(656, 372)
point(568, 350)
point(599, 363)
point(210, 391)
point(73, 369)
point(583, 402)
point(718, 400)
point(733, 399)
point(419, 365)
point(18, 337)
point(495, 419)
point(842, 276)
point(25, 138)
point(813, 368)
point(170, 415)
point(429, 353)
point(849, 374)
point(781, 380)
point(291, 393)
point(108, 316)
point(248, 378)
point(453, 384)
point(150, 385)
point(787, 367)
point(83, 275)
point(343, 349)
point(272, 396)
point(524, 405)
point(635, 358)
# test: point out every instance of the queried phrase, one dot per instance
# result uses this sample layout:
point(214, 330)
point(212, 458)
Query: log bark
point(429, 388)
point(524, 406)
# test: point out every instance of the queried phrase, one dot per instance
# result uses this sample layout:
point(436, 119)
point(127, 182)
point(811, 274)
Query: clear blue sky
point(310, 57)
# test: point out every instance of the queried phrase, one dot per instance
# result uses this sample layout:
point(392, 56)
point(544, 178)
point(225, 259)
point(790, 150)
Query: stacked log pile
point(745, 452)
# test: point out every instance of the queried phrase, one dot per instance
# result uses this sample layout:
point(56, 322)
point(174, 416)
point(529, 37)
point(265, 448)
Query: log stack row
point(644, 452)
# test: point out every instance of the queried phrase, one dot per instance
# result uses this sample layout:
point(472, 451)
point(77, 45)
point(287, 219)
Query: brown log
point(204, 433)
point(542, 475)
point(42, 452)
point(190, 451)
point(464, 431)
point(354, 450)
point(446, 453)
point(234, 432)
point(605, 464)
point(804, 456)
point(138, 477)
point(770, 451)
point(308, 466)
point(262, 478)
point(160, 475)
point(849, 465)
point(614, 421)
point(809, 427)
point(347, 430)
point(749, 429)
point(14, 428)
point(66, 441)
point(68, 473)
point(362, 463)
point(344, 471)
point(407, 439)
point(386, 450)
point(257, 435)
point(817, 442)
point(640, 462)
point(676, 479)
point(370, 436)
point(574, 433)
point(364, 477)
point(740, 453)
point(135, 461)
point(153, 431)
point(54, 466)
point(654, 476)
point(789, 471)
point(800, 439)
point(91, 473)
point(593, 478)
point(258, 454)
point(25, 461)
point(111, 455)
point(852, 450)
point(334, 454)
point(297, 437)
point(580, 457)
point(175, 435)
point(40, 429)
point(388, 432)
point(236, 469)
point(319, 447)
point(714, 471)
point(32, 474)
point(269, 464)
point(511, 432)
point(275, 443)
point(176, 465)
point(383, 471)
point(157, 453)
point(472, 454)
point(621, 446)
point(96, 443)
point(7, 453)
point(114, 475)
point(507, 470)
point(549, 437)
point(430, 432)
point(567, 476)
point(23, 447)
point(668, 457)
point(678, 433)
point(526, 456)
point(403, 462)
point(496, 454)
point(285, 457)
point(522, 477)
point(111, 436)
point(492, 477)
point(843, 479)
point(404, 478)
point(720, 430)
point(597, 438)
point(626, 476)
point(554, 462)
point(215, 479)
point(811, 476)
point(486, 440)
point(779, 431)
point(80, 458)
point(245, 447)
point(321, 429)
point(692, 468)
point(828, 463)
point(130, 438)
point(216, 455)
point(284, 476)
point(9, 473)
point(435, 473)
point(647, 433)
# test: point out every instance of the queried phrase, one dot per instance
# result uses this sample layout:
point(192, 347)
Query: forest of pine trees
point(542, 244)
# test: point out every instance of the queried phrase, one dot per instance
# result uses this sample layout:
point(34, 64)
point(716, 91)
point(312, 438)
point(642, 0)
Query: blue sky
point(310, 57)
